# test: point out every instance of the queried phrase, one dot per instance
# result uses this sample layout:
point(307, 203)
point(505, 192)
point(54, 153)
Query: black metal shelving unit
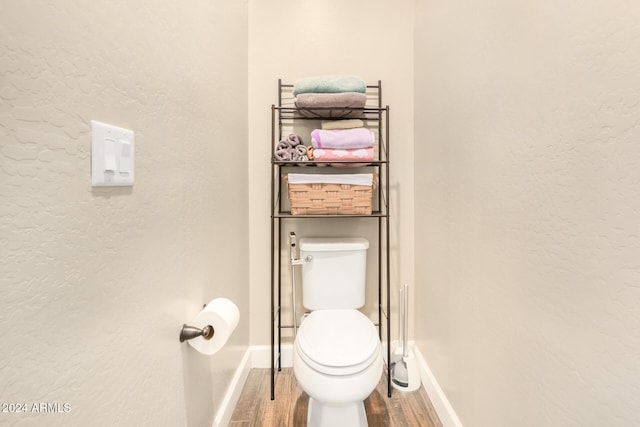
point(376, 117)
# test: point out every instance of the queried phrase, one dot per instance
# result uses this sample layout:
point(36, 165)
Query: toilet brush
point(399, 372)
point(405, 373)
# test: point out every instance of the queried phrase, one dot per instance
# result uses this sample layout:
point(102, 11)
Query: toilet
point(337, 357)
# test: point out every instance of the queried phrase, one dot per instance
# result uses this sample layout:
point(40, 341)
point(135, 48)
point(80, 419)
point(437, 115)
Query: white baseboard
point(439, 400)
point(255, 357)
point(261, 358)
point(230, 400)
point(258, 356)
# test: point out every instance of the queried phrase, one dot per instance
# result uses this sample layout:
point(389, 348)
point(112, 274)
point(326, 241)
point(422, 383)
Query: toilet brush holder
point(405, 373)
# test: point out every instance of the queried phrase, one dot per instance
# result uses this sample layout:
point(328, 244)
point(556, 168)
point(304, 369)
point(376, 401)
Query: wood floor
point(289, 409)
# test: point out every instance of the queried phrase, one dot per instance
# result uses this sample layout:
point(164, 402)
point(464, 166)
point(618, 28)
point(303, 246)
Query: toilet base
point(350, 414)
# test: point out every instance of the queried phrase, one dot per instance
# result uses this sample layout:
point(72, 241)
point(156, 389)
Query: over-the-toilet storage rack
point(376, 117)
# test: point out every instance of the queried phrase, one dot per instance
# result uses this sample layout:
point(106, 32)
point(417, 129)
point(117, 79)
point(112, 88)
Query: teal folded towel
point(329, 84)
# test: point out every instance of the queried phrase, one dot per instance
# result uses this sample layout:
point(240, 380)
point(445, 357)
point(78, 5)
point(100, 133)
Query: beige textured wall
point(291, 39)
point(527, 172)
point(97, 282)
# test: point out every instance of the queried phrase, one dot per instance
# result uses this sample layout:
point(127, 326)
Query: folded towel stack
point(342, 145)
point(291, 149)
point(330, 96)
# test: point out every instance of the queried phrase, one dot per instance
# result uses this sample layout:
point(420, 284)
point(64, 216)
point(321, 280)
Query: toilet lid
point(338, 342)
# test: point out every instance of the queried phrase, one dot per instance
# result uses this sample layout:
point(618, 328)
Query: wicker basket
point(330, 199)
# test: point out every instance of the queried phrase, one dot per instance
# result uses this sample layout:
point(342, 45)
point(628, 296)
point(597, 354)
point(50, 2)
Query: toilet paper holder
point(211, 328)
point(190, 332)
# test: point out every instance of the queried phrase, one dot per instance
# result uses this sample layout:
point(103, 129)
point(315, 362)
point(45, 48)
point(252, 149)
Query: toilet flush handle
point(300, 261)
point(292, 250)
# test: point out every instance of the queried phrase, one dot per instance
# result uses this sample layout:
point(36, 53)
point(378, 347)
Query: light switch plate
point(112, 155)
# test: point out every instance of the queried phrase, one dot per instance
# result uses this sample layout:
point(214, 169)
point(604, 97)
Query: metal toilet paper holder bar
point(190, 332)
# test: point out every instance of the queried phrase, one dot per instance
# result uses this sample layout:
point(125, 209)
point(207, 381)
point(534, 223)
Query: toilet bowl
point(337, 360)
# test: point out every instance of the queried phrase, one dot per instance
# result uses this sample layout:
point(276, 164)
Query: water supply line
point(292, 257)
point(295, 261)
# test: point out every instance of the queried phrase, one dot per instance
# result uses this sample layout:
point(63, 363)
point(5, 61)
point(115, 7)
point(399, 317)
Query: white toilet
point(337, 357)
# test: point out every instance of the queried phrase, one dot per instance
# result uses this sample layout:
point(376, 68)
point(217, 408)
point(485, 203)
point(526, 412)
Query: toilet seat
point(338, 342)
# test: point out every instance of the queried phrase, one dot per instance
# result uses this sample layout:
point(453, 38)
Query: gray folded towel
point(301, 150)
point(290, 149)
point(294, 139)
point(331, 105)
point(283, 145)
point(283, 155)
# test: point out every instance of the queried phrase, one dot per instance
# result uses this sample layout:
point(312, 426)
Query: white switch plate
point(112, 155)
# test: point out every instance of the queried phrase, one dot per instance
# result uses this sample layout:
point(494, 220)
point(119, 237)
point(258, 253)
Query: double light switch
point(112, 155)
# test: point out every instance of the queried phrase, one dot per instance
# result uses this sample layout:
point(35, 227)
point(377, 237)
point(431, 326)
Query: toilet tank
point(333, 273)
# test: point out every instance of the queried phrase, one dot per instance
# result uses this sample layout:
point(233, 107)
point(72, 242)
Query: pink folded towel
point(342, 138)
point(343, 155)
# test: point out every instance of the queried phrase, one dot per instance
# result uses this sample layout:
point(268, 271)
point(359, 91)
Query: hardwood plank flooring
point(289, 409)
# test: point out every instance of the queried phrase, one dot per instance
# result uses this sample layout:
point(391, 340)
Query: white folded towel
point(347, 178)
point(341, 124)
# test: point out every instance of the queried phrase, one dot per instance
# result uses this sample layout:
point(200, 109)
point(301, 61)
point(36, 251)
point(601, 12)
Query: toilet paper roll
point(223, 315)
